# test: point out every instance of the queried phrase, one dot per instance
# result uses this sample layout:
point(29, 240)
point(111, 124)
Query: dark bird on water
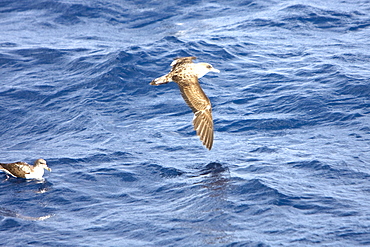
point(186, 74)
point(24, 170)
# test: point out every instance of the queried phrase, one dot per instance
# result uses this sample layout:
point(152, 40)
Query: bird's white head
point(203, 68)
point(42, 163)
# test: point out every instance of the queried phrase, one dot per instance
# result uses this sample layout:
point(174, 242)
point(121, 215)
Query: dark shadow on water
point(214, 168)
point(213, 204)
point(215, 177)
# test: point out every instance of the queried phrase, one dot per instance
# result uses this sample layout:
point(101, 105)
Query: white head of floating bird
point(186, 74)
point(24, 170)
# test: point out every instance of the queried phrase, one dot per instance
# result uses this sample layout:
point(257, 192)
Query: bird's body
point(186, 74)
point(24, 170)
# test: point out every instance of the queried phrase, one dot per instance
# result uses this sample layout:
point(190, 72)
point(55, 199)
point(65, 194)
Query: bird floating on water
point(24, 170)
point(186, 74)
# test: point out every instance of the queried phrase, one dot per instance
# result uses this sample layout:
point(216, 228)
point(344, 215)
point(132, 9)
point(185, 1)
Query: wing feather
point(182, 60)
point(17, 169)
point(199, 103)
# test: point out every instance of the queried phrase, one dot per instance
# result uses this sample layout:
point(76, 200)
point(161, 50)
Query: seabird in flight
point(24, 170)
point(186, 74)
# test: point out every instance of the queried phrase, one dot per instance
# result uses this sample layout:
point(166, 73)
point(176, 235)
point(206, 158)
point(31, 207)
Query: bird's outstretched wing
point(199, 103)
point(182, 60)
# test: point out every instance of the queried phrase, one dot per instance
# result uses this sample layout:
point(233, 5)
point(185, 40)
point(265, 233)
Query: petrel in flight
point(186, 74)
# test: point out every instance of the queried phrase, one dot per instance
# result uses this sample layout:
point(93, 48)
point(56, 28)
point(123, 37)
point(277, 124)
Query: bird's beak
point(215, 70)
point(49, 169)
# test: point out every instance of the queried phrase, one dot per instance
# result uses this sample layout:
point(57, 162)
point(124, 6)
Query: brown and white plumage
point(186, 74)
point(24, 170)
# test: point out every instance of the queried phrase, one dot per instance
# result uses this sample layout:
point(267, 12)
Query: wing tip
point(203, 130)
point(209, 147)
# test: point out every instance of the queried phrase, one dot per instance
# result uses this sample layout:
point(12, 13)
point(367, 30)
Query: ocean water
point(290, 165)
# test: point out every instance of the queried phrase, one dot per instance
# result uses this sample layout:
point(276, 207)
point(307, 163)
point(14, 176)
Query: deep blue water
point(290, 165)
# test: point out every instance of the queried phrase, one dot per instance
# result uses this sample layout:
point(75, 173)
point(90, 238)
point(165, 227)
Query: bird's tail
point(161, 80)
